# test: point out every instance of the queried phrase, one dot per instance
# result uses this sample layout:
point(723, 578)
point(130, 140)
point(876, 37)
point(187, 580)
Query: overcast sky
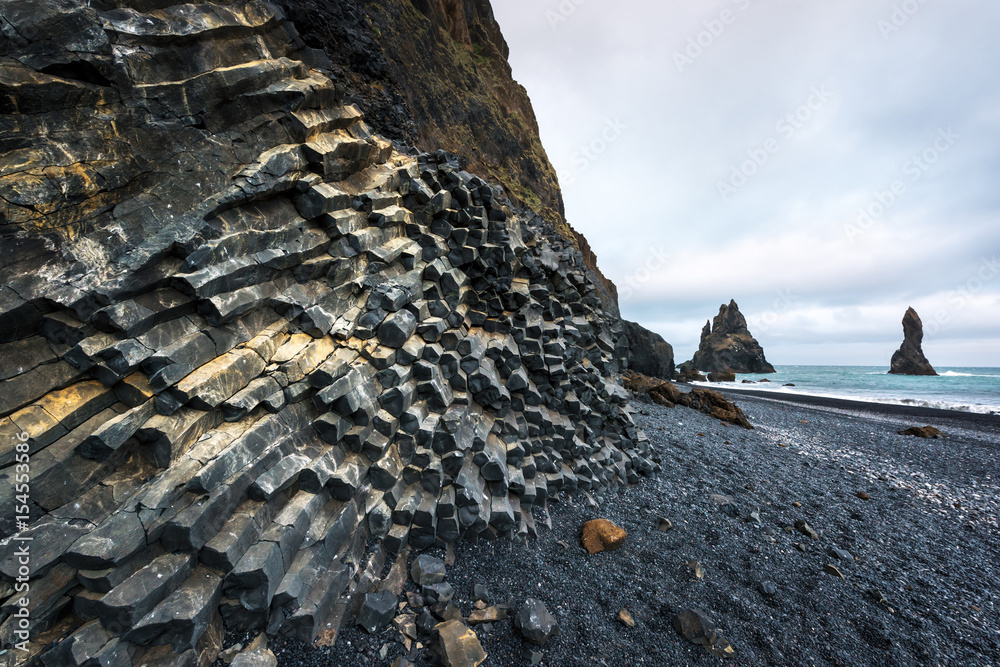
point(718, 150)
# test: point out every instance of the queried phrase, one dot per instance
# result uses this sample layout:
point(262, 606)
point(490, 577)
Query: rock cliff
point(727, 345)
point(254, 350)
point(648, 353)
point(434, 74)
point(909, 359)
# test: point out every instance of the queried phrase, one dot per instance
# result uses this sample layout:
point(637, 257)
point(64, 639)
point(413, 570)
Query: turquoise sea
point(966, 389)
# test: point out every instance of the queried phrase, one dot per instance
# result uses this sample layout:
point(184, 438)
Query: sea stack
point(727, 345)
point(909, 359)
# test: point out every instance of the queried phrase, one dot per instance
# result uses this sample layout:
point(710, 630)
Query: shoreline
point(871, 407)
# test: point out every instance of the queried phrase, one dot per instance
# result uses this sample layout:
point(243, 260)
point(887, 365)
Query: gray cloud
point(749, 141)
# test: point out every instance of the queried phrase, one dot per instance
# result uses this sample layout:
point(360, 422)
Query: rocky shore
point(918, 556)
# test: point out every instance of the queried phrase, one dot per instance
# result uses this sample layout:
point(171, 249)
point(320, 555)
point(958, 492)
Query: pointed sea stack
point(909, 359)
point(726, 345)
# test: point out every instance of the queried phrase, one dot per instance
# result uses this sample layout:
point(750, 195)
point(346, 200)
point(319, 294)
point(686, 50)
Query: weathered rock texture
point(909, 359)
point(648, 353)
point(727, 345)
point(247, 339)
point(434, 74)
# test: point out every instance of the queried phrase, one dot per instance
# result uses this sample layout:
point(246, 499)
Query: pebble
point(626, 617)
point(833, 571)
point(806, 529)
point(767, 588)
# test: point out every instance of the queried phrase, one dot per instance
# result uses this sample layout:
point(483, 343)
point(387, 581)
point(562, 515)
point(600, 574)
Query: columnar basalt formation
point(246, 339)
point(909, 359)
point(728, 347)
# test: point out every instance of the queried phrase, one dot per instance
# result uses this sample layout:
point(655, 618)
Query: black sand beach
point(920, 588)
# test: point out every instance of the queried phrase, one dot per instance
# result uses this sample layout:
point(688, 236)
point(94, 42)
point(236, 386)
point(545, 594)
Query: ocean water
point(966, 389)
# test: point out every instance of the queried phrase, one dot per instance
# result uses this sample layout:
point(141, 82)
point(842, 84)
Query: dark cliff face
point(251, 348)
point(434, 73)
point(909, 359)
point(727, 345)
point(648, 353)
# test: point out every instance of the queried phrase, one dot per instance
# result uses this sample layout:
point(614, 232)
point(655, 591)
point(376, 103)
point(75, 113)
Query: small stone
point(377, 611)
point(806, 529)
point(458, 646)
point(862, 495)
point(626, 617)
point(663, 525)
point(601, 535)
point(532, 655)
point(487, 615)
point(767, 588)
point(442, 592)
point(697, 569)
point(796, 504)
point(427, 570)
point(843, 555)
point(800, 546)
point(695, 626)
point(227, 655)
point(480, 592)
point(256, 655)
point(833, 571)
point(535, 623)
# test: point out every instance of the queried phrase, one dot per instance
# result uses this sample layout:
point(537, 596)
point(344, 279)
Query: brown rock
point(457, 645)
point(833, 571)
point(626, 617)
point(487, 615)
point(601, 535)
point(862, 495)
point(722, 376)
point(922, 432)
point(669, 394)
point(806, 530)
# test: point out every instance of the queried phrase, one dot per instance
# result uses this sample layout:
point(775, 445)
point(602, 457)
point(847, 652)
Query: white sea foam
point(938, 404)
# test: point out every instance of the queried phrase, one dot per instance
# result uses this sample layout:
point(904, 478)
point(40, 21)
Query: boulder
point(601, 535)
point(909, 359)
